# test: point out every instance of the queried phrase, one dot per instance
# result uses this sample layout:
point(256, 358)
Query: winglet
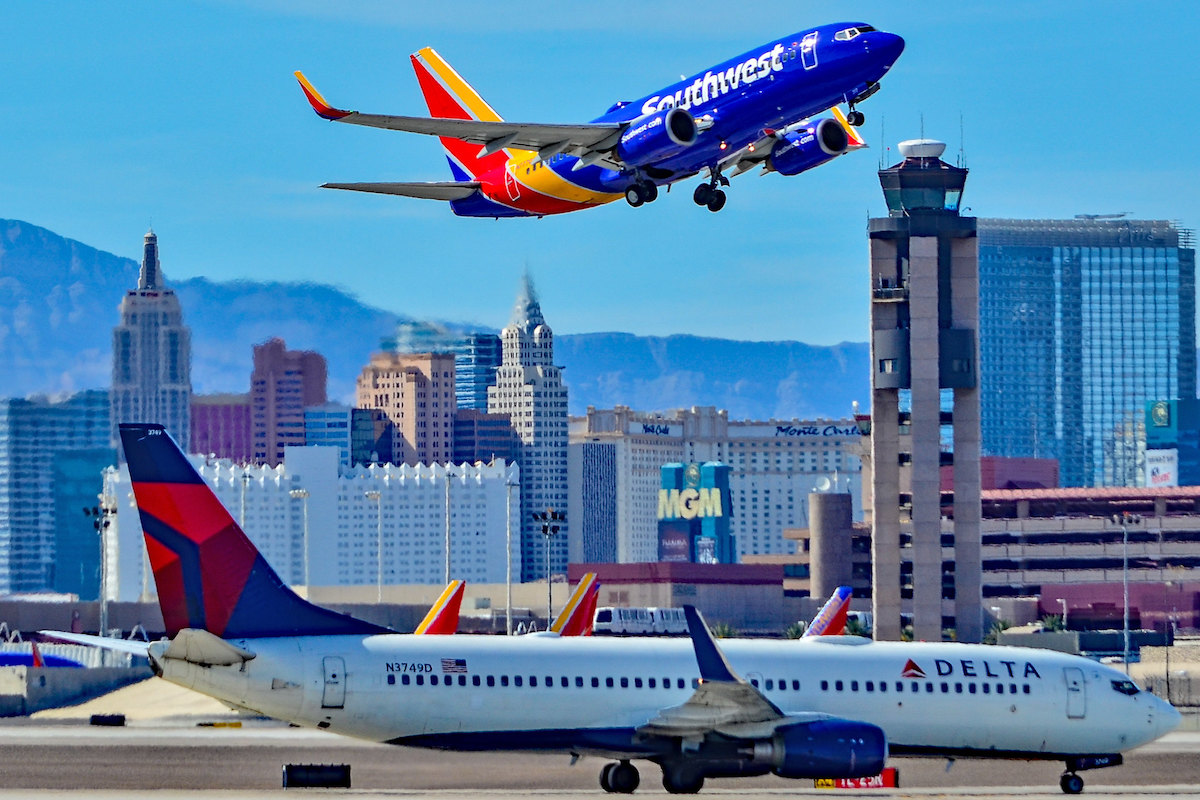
point(442, 618)
point(38, 661)
point(710, 659)
point(577, 617)
point(856, 141)
point(831, 619)
point(318, 103)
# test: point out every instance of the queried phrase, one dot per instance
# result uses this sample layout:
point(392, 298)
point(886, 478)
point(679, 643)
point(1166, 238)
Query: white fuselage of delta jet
point(591, 694)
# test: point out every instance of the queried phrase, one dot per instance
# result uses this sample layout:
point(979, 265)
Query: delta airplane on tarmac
point(827, 706)
point(756, 110)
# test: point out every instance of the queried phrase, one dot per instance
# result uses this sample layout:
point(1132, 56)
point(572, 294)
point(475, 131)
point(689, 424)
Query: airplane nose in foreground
point(889, 46)
point(1166, 717)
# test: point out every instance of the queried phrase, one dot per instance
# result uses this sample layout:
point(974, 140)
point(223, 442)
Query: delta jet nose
point(1166, 717)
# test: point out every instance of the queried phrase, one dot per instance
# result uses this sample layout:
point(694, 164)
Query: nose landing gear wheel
point(1071, 783)
point(856, 118)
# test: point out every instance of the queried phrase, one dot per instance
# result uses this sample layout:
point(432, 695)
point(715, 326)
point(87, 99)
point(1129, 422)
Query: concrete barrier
point(24, 690)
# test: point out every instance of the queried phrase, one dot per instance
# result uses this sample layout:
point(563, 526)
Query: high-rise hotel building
point(1082, 322)
point(529, 389)
point(152, 352)
point(416, 393)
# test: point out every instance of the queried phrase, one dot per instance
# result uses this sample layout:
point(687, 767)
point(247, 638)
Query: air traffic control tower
point(925, 396)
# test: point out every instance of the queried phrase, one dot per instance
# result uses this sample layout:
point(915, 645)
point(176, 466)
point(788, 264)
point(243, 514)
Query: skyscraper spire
point(149, 277)
point(527, 313)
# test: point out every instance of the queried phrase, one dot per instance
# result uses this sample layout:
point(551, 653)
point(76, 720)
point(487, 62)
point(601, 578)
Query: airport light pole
point(102, 516)
point(302, 496)
point(551, 523)
point(375, 496)
point(1063, 602)
point(245, 486)
point(1125, 519)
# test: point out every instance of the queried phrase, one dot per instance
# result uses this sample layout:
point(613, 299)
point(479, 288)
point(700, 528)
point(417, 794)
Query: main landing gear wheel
point(638, 193)
point(855, 118)
point(620, 778)
point(716, 200)
point(1071, 783)
point(702, 194)
point(678, 779)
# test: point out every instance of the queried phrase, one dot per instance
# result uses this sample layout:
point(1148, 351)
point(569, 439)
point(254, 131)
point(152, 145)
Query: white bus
point(640, 621)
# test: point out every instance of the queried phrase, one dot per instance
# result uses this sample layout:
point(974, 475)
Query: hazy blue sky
point(115, 116)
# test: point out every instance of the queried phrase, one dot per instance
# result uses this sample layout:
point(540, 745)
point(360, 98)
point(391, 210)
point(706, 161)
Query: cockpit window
point(1125, 687)
point(850, 33)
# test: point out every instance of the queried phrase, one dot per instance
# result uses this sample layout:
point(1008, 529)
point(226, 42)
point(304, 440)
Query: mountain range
point(59, 299)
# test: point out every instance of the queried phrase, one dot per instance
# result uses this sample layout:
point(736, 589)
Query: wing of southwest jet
point(131, 646)
point(492, 136)
point(442, 618)
point(434, 190)
point(756, 153)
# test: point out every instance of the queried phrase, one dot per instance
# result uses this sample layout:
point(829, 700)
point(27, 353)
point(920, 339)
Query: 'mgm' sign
point(689, 503)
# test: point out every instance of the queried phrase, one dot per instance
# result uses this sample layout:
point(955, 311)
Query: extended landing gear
point(855, 118)
point(1071, 783)
point(642, 192)
point(620, 777)
point(707, 194)
point(681, 779)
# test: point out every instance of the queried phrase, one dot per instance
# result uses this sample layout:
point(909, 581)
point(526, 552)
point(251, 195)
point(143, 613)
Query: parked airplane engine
point(656, 136)
point(809, 147)
point(831, 748)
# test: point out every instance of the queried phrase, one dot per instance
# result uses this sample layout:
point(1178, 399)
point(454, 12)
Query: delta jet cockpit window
point(1126, 687)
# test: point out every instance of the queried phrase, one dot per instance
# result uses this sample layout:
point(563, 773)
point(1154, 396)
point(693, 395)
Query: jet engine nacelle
point(831, 748)
point(656, 136)
point(809, 147)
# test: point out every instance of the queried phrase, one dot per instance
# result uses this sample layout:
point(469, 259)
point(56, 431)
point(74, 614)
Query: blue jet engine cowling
point(656, 136)
point(831, 748)
point(809, 147)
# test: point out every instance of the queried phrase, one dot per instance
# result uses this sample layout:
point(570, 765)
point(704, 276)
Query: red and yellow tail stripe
point(856, 141)
point(442, 618)
point(578, 615)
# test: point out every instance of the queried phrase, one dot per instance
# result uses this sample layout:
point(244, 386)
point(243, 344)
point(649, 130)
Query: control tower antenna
point(961, 142)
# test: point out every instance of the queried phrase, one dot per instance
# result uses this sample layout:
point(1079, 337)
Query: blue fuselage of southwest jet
point(764, 89)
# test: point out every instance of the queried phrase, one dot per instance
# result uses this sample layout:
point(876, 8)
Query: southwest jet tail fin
point(855, 142)
point(448, 96)
point(578, 615)
point(831, 619)
point(442, 618)
point(209, 575)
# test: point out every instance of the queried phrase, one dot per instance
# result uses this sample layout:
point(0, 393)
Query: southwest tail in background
point(209, 575)
point(578, 615)
point(442, 618)
point(831, 619)
point(450, 97)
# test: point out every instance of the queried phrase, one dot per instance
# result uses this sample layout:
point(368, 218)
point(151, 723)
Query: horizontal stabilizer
point(437, 190)
point(132, 646)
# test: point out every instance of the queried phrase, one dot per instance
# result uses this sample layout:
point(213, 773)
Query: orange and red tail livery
point(831, 619)
point(442, 618)
point(578, 615)
point(208, 573)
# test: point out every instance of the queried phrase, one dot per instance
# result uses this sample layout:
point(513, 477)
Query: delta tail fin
point(209, 575)
point(831, 619)
point(442, 618)
point(579, 614)
point(450, 97)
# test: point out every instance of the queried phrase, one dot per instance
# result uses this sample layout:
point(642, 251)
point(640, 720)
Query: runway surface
point(168, 758)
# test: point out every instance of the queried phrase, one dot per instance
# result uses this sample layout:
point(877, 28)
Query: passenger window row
point(930, 687)
point(547, 681)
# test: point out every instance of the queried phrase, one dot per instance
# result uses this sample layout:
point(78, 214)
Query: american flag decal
point(454, 666)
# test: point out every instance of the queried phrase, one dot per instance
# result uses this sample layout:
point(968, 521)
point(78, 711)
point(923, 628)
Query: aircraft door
point(334, 695)
point(1076, 694)
point(510, 183)
point(808, 50)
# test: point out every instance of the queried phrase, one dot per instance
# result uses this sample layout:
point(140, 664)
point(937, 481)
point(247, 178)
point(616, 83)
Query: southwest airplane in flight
point(822, 707)
point(756, 110)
